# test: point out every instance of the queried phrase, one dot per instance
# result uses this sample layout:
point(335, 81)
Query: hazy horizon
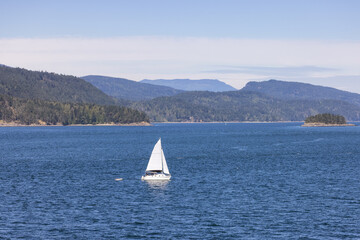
point(232, 41)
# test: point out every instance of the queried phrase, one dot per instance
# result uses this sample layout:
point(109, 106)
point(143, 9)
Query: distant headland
point(34, 98)
point(326, 120)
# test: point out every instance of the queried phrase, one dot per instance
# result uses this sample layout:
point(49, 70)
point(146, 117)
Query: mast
point(162, 160)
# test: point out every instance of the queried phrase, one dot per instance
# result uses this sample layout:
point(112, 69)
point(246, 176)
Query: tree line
point(32, 111)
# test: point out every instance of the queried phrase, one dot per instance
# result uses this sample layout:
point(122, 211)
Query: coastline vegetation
point(34, 111)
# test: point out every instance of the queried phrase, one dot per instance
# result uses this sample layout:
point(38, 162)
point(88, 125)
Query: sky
point(235, 41)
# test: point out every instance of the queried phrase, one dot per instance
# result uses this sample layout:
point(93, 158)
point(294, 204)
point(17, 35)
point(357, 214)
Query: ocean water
point(229, 181)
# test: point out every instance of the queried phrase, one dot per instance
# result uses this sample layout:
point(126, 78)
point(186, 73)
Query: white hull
point(155, 177)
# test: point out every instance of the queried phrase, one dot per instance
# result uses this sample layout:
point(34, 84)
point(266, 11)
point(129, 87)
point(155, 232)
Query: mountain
point(28, 84)
point(121, 88)
point(296, 90)
point(239, 106)
point(32, 97)
point(211, 85)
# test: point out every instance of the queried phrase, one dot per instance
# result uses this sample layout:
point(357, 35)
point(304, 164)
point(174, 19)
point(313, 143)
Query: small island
point(326, 120)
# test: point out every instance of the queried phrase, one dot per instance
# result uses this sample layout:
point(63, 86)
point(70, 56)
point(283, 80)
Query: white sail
point(155, 162)
point(165, 167)
point(157, 168)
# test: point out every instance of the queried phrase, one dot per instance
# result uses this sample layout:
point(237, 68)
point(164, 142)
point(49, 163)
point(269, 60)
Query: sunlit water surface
point(229, 181)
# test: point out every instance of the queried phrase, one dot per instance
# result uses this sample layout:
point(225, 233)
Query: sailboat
point(157, 168)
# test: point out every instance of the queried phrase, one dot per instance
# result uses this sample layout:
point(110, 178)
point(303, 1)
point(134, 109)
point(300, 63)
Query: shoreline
point(15, 124)
point(253, 122)
point(327, 125)
point(236, 122)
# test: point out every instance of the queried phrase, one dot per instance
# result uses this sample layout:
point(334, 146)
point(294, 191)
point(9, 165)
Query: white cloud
point(163, 57)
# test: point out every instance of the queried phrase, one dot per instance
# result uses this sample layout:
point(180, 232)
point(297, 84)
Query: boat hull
point(156, 177)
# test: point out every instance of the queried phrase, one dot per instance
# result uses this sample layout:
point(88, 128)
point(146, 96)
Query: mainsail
point(156, 161)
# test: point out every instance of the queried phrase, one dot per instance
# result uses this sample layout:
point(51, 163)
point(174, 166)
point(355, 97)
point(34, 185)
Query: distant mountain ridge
point(239, 106)
point(212, 85)
point(37, 96)
point(122, 88)
point(297, 90)
point(28, 84)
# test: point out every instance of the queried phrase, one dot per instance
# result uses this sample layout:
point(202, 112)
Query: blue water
point(229, 181)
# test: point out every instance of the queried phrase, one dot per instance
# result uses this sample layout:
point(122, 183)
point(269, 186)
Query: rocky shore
point(326, 125)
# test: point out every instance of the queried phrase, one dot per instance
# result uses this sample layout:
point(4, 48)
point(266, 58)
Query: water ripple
point(252, 181)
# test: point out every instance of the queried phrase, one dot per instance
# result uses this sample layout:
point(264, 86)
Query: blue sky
point(234, 41)
point(315, 19)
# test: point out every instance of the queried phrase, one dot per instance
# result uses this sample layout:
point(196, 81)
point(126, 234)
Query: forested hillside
point(28, 111)
point(41, 97)
point(239, 106)
point(121, 88)
point(27, 84)
point(296, 90)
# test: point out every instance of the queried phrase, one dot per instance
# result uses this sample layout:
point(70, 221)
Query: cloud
point(232, 60)
point(274, 71)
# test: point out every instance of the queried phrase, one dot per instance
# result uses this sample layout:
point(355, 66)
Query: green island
point(326, 120)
